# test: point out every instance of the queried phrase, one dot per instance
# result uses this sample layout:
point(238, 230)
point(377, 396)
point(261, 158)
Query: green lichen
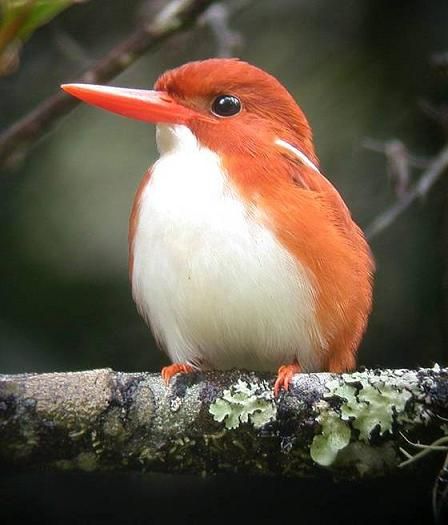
point(245, 403)
point(370, 406)
point(369, 403)
point(335, 436)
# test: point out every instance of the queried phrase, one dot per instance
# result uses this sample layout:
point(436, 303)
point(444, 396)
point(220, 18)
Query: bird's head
point(232, 107)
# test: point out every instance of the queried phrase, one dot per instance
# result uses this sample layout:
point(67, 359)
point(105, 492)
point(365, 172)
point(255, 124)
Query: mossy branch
point(349, 425)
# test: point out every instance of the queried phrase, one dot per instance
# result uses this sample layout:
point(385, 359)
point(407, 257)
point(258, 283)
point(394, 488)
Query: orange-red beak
point(140, 104)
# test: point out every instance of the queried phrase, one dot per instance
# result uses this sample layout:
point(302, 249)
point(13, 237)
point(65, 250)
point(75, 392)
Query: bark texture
point(348, 425)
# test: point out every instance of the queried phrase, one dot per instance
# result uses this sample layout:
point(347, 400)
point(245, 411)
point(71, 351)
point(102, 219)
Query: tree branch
point(357, 424)
point(429, 177)
point(175, 17)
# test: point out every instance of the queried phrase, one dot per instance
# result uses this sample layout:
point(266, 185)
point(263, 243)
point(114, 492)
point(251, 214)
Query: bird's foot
point(168, 372)
point(284, 376)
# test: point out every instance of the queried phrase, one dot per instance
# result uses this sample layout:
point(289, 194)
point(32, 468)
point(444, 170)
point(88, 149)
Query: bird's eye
point(226, 106)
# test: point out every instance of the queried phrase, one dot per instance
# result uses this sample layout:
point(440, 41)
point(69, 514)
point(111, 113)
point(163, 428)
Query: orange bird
point(241, 253)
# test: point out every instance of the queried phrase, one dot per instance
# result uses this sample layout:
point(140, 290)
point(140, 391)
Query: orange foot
point(168, 372)
point(284, 376)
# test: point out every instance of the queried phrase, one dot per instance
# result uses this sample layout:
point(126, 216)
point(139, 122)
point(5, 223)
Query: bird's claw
point(284, 376)
point(168, 372)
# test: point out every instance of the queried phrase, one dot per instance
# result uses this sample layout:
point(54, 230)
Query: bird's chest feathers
point(214, 283)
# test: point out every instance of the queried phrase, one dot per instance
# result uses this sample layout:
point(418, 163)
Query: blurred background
point(365, 72)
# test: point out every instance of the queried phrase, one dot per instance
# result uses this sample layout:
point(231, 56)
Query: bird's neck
point(173, 139)
point(249, 165)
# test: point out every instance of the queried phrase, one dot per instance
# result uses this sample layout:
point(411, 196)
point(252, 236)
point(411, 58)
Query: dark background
point(359, 69)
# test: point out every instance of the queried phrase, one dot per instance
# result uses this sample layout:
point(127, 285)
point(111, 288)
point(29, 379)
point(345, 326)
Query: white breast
point(217, 288)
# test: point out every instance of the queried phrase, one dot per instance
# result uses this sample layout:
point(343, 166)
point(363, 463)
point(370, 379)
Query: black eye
point(226, 106)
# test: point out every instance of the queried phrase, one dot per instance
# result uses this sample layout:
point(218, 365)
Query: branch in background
point(428, 178)
point(399, 162)
point(346, 425)
point(217, 18)
point(437, 113)
point(70, 48)
point(440, 492)
point(175, 17)
point(389, 147)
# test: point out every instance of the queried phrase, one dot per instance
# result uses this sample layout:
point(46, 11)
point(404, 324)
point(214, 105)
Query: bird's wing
point(310, 179)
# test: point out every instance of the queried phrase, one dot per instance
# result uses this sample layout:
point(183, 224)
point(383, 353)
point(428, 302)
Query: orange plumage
point(265, 180)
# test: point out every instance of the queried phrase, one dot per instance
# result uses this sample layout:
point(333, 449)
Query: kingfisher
point(242, 254)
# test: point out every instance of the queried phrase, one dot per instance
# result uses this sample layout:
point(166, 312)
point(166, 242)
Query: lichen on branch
point(347, 425)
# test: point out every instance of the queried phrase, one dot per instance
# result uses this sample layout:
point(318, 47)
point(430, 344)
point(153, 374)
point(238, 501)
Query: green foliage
point(19, 19)
point(30, 14)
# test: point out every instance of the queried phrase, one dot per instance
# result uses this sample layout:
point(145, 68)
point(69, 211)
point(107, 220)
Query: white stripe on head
point(299, 154)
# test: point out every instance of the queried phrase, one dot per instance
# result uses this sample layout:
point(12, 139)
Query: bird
point(242, 254)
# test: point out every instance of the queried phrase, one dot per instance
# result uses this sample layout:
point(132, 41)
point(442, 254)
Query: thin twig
point(440, 490)
point(419, 190)
point(434, 447)
point(421, 446)
point(437, 113)
point(217, 18)
point(175, 17)
point(386, 147)
point(70, 47)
